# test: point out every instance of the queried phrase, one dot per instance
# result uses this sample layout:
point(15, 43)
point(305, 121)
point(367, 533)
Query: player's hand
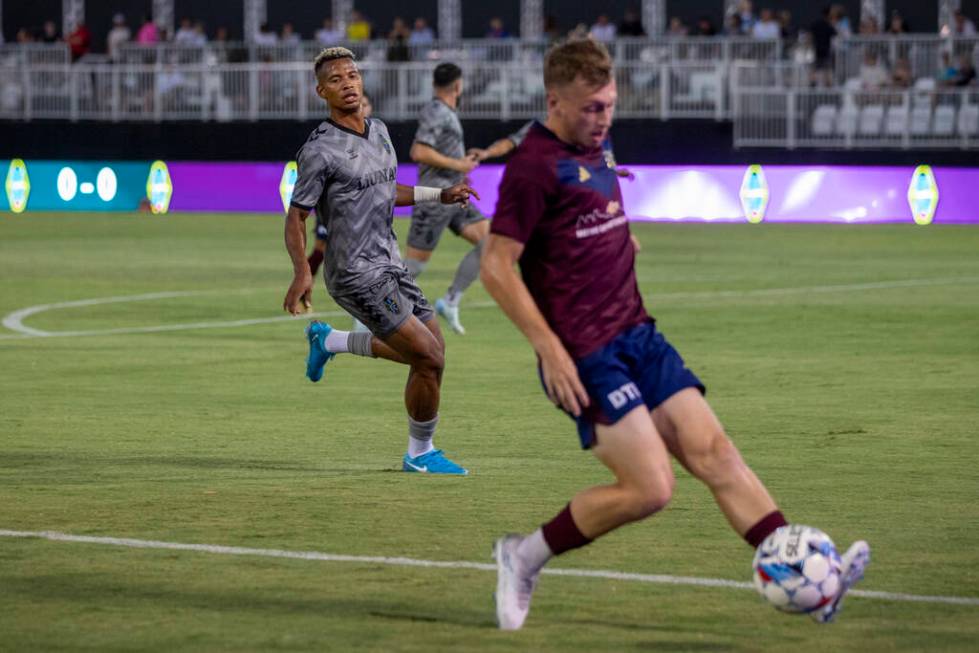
point(458, 194)
point(302, 283)
point(561, 380)
point(477, 154)
point(307, 301)
point(625, 172)
point(466, 164)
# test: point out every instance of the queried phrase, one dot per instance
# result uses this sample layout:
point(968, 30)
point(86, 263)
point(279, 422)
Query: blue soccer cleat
point(318, 357)
point(433, 462)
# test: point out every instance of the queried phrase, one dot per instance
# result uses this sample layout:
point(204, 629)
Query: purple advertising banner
point(840, 194)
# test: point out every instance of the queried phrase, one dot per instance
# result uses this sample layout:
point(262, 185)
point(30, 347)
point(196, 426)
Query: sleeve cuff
point(301, 206)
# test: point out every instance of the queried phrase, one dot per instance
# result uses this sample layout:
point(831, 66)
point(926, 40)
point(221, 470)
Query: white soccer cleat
point(513, 587)
point(854, 562)
point(450, 313)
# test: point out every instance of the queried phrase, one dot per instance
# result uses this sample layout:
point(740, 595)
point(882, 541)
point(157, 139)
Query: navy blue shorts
point(638, 367)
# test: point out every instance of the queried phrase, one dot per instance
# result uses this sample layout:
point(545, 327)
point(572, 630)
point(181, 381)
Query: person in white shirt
point(265, 36)
point(963, 25)
point(603, 30)
point(118, 35)
point(873, 74)
point(327, 35)
point(766, 27)
point(421, 33)
point(185, 34)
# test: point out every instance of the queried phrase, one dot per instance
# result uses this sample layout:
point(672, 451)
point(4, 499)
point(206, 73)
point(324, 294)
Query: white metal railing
point(263, 91)
point(924, 54)
point(848, 118)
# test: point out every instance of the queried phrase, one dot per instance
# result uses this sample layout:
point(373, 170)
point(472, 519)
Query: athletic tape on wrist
point(427, 194)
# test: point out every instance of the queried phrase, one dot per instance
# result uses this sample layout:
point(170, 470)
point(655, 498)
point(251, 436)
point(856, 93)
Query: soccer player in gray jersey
point(441, 154)
point(346, 172)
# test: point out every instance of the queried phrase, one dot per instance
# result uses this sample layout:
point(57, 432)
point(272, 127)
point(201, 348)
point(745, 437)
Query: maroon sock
point(314, 261)
point(562, 534)
point(765, 527)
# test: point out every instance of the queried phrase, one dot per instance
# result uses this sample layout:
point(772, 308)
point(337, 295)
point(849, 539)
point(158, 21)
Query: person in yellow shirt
point(359, 28)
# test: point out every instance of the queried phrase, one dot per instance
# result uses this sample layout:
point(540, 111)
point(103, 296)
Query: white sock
point(420, 436)
point(452, 298)
point(336, 342)
point(533, 551)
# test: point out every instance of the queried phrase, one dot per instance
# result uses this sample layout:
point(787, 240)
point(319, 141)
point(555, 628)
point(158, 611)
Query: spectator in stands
point(732, 25)
point(947, 71)
point(631, 24)
point(359, 28)
point(869, 26)
point(148, 33)
point(705, 27)
point(786, 28)
point(289, 35)
point(603, 30)
point(897, 25)
point(841, 22)
point(328, 36)
point(118, 35)
point(766, 27)
point(901, 76)
point(873, 74)
point(496, 29)
point(746, 16)
point(421, 33)
point(265, 35)
point(962, 26)
point(965, 74)
point(823, 33)
point(50, 33)
point(185, 33)
point(80, 41)
point(200, 36)
point(24, 35)
point(398, 41)
point(677, 27)
point(802, 52)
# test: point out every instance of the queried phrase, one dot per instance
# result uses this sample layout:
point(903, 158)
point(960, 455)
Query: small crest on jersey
point(386, 143)
point(583, 175)
point(352, 153)
point(391, 304)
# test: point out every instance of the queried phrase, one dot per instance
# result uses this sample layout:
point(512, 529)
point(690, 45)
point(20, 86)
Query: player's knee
point(717, 460)
point(650, 497)
point(432, 358)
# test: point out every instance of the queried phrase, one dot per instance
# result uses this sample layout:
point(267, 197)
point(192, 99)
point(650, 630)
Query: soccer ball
point(797, 569)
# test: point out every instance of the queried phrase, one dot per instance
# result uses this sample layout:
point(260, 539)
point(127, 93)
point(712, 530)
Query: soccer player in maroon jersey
point(576, 299)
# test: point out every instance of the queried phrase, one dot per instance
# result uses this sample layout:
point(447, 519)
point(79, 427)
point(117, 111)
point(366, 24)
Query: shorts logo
point(622, 396)
point(391, 304)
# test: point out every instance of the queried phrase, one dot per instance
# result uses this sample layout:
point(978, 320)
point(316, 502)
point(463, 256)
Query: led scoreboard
point(85, 186)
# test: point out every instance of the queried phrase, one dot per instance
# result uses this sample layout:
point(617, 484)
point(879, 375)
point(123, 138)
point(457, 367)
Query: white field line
point(439, 564)
point(15, 320)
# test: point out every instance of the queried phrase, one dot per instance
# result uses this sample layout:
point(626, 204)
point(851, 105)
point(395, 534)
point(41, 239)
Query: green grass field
point(844, 361)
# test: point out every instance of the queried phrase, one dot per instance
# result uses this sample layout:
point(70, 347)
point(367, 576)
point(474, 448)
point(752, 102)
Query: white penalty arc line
point(661, 579)
point(15, 320)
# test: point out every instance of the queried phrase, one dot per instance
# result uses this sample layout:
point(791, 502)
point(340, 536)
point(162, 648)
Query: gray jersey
point(440, 129)
point(349, 179)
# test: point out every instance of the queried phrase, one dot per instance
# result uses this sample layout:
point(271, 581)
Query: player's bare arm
point(458, 194)
point(427, 155)
point(502, 282)
point(499, 148)
point(302, 280)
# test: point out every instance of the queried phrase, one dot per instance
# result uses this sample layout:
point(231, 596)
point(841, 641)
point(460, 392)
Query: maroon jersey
point(564, 204)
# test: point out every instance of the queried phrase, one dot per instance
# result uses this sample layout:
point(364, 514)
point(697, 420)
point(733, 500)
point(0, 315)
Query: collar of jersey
point(367, 128)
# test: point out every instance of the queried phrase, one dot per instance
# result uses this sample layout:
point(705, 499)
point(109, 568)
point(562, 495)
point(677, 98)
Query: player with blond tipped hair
point(346, 171)
point(601, 358)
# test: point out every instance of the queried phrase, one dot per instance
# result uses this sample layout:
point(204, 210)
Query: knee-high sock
point(415, 267)
point(466, 273)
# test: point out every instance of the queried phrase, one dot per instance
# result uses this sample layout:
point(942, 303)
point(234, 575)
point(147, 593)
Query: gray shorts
point(428, 221)
point(387, 303)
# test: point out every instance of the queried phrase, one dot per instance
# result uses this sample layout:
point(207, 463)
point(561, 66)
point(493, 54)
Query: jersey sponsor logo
point(352, 153)
point(598, 222)
point(376, 177)
point(622, 396)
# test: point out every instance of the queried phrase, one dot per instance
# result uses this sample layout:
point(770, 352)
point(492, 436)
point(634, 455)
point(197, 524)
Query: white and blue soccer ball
point(797, 569)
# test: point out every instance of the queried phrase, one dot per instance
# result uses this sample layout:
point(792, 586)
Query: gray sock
point(415, 268)
point(359, 343)
point(466, 273)
point(420, 436)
